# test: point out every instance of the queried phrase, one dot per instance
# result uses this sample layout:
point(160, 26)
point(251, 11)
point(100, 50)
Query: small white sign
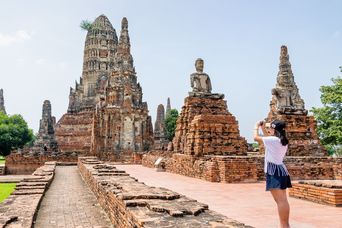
point(157, 163)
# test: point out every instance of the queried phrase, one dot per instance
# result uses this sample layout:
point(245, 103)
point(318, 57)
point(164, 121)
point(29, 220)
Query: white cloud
point(40, 61)
point(18, 36)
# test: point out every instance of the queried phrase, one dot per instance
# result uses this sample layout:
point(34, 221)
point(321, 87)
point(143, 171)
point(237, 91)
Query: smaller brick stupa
point(205, 126)
point(287, 105)
point(46, 141)
point(159, 133)
point(2, 102)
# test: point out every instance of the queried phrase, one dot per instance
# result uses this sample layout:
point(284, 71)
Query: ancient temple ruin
point(46, 141)
point(106, 114)
point(159, 133)
point(168, 105)
point(2, 102)
point(205, 126)
point(98, 61)
point(121, 120)
point(287, 105)
point(73, 130)
point(207, 144)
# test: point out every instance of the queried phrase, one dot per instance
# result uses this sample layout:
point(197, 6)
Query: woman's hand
point(258, 124)
point(256, 131)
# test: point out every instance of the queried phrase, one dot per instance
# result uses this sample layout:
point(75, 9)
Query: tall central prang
point(121, 121)
point(106, 114)
point(98, 61)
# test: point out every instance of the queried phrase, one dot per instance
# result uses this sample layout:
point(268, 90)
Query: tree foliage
point(86, 25)
point(14, 133)
point(170, 123)
point(329, 117)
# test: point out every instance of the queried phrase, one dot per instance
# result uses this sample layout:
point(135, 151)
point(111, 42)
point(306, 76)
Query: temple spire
point(168, 105)
point(160, 136)
point(2, 102)
point(286, 95)
point(46, 141)
point(123, 57)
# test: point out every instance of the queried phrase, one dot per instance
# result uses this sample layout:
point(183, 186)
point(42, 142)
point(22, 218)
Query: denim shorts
point(277, 182)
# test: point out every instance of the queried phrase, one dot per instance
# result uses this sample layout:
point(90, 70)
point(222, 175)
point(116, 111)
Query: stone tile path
point(247, 203)
point(70, 203)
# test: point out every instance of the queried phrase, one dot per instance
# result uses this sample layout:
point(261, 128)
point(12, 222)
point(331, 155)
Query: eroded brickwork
point(73, 132)
point(205, 126)
point(130, 203)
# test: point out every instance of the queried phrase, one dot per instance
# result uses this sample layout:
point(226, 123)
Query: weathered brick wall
point(245, 168)
point(206, 127)
point(126, 157)
point(130, 203)
point(73, 132)
point(315, 168)
point(238, 169)
point(21, 164)
point(337, 167)
point(325, 192)
point(20, 208)
point(151, 157)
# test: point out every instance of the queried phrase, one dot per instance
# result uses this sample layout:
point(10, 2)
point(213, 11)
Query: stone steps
point(2, 169)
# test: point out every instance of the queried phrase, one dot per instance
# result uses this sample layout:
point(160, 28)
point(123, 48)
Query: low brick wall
point(325, 192)
point(19, 209)
point(337, 167)
point(232, 169)
point(23, 164)
point(130, 203)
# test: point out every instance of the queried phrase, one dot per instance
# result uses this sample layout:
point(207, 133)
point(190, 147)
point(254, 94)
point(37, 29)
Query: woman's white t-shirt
point(274, 156)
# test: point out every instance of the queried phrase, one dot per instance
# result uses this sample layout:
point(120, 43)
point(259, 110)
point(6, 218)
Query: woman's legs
point(280, 197)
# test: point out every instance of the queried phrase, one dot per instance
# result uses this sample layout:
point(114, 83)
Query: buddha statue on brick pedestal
point(200, 82)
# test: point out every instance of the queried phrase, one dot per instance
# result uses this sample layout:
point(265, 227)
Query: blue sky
point(41, 50)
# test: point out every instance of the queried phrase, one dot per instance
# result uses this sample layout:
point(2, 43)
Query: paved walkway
point(70, 203)
point(247, 203)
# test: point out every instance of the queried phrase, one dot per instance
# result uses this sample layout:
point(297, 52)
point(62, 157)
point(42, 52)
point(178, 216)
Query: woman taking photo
point(277, 176)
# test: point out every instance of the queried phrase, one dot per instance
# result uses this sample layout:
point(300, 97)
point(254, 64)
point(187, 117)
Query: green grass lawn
point(5, 190)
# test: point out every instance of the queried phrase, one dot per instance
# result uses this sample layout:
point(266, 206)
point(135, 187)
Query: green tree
point(86, 25)
point(170, 123)
point(329, 117)
point(14, 133)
